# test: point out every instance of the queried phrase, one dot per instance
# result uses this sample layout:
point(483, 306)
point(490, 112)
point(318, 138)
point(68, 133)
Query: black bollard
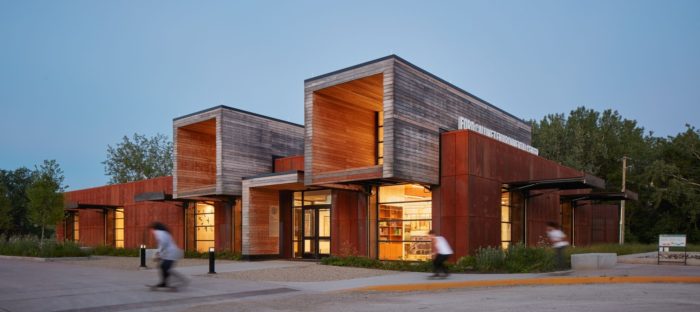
point(142, 253)
point(211, 261)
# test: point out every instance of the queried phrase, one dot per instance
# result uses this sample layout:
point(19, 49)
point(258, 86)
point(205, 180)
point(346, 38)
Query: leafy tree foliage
point(139, 158)
point(45, 196)
point(15, 183)
point(5, 208)
point(664, 171)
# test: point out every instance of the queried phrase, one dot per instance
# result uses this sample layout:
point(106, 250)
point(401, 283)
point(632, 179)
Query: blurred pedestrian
point(168, 253)
point(441, 251)
point(559, 242)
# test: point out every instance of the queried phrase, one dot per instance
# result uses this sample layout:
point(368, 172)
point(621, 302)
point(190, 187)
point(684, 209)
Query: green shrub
point(463, 264)
point(410, 266)
point(222, 255)
point(489, 259)
point(112, 251)
point(521, 259)
point(30, 246)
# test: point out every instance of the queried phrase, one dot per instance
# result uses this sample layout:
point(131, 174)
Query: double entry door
point(313, 231)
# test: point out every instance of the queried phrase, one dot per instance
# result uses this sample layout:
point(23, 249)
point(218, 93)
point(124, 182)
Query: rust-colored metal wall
point(289, 163)
point(137, 216)
point(466, 204)
point(595, 224)
point(349, 223)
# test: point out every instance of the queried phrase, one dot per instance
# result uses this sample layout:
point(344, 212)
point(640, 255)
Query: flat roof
point(237, 110)
point(398, 58)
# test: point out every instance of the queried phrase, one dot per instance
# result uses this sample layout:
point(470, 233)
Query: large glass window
point(76, 226)
point(204, 226)
point(119, 228)
point(405, 217)
point(311, 236)
point(506, 220)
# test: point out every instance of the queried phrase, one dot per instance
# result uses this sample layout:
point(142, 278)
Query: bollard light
point(142, 254)
point(211, 261)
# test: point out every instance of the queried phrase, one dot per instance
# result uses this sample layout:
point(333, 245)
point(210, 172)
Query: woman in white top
point(167, 253)
point(558, 240)
point(441, 251)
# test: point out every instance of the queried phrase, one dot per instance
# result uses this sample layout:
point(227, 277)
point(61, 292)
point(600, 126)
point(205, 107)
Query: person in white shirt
point(167, 254)
point(441, 251)
point(558, 240)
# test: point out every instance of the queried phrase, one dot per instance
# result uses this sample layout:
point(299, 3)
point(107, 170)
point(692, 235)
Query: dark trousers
point(165, 266)
point(439, 264)
point(560, 257)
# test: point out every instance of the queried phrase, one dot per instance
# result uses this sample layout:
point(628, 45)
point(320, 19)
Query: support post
point(622, 202)
point(211, 261)
point(142, 254)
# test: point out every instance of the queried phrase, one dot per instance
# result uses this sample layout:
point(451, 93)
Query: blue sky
point(76, 76)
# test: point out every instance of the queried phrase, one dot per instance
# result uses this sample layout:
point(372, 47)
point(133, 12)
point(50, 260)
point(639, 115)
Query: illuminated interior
point(506, 220)
point(312, 224)
point(76, 227)
point(405, 218)
point(204, 226)
point(119, 228)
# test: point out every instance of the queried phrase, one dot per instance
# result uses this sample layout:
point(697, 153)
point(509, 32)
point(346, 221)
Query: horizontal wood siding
point(249, 144)
point(197, 167)
point(422, 106)
point(319, 122)
point(196, 159)
point(344, 136)
point(256, 222)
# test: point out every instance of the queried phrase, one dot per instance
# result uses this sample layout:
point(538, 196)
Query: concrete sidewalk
point(55, 286)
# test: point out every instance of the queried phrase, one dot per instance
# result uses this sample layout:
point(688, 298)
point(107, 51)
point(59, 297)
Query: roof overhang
point(606, 196)
point(586, 181)
point(78, 205)
point(152, 196)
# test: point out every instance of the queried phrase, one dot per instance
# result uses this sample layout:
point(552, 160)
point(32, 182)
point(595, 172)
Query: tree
point(16, 183)
point(45, 195)
point(139, 158)
point(5, 210)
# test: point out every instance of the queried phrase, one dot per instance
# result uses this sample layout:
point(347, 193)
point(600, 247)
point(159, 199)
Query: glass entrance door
point(317, 231)
point(312, 224)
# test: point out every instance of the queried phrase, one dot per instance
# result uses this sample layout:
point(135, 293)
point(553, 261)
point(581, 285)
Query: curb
point(534, 281)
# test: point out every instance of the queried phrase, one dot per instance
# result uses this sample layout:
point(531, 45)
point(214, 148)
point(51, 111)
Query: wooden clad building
point(388, 152)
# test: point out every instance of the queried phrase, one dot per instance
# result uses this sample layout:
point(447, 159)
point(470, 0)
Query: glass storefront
point(119, 228)
point(404, 219)
point(312, 224)
point(204, 226)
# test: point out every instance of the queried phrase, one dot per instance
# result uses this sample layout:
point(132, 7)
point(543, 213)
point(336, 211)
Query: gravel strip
point(132, 263)
point(308, 272)
point(300, 272)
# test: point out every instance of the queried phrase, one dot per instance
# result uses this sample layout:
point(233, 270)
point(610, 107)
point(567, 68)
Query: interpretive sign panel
point(671, 240)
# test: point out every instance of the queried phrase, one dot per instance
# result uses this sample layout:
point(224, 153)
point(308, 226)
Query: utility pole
point(622, 202)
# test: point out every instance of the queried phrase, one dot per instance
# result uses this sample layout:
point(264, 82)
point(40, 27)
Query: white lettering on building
point(466, 124)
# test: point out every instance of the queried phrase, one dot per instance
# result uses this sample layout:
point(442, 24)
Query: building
point(387, 152)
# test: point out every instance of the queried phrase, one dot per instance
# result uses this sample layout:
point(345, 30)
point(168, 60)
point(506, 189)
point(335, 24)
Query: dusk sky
point(76, 76)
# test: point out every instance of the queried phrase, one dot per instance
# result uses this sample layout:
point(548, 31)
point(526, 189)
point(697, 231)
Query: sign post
point(668, 241)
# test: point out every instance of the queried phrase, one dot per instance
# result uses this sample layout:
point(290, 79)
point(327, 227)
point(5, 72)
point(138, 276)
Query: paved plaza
point(116, 284)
